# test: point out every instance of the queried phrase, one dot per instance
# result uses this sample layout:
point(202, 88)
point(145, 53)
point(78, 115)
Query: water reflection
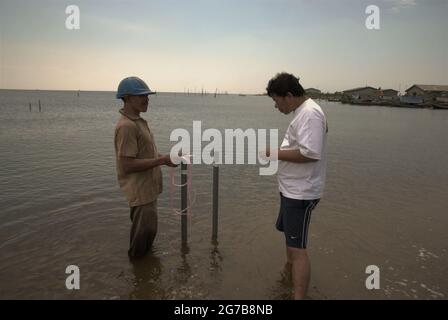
point(68, 131)
point(283, 287)
point(215, 260)
point(184, 273)
point(147, 282)
point(183, 283)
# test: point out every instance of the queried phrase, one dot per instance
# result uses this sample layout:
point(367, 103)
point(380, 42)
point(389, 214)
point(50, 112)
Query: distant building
point(370, 93)
point(363, 93)
point(313, 93)
point(389, 93)
point(427, 92)
point(313, 90)
point(443, 99)
point(411, 99)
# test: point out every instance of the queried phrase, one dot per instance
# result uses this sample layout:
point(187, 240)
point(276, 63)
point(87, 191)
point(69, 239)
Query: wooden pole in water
point(184, 202)
point(215, 199)
point(30, 106)
point(39, 105)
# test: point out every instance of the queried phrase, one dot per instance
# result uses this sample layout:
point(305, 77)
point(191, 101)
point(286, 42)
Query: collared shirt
point(307, 132)
point(134, 139)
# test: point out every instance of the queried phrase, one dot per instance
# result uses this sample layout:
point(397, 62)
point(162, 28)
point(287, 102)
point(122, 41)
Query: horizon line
point(79, 90)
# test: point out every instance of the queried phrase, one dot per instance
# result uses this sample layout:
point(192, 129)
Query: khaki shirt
point(134, 139)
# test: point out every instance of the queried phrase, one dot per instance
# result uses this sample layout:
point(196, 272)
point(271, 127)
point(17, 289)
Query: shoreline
point(394, 104)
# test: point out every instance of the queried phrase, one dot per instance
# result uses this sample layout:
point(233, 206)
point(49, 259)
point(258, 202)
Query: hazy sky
point(235, 46)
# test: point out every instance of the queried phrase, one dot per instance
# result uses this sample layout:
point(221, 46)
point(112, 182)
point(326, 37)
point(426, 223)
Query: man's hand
point(167, 161)
point(268, 155)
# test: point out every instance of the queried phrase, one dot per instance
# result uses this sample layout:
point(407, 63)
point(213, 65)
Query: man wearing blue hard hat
point(138, 164)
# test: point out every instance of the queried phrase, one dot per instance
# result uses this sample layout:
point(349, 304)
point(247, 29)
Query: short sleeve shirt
point(307, 132)
point(134, 139)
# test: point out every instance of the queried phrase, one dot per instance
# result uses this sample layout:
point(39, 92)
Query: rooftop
point(427, 87)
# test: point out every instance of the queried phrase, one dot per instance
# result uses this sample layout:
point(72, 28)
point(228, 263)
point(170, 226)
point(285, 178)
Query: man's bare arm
point(130, 165)
point(292, 156)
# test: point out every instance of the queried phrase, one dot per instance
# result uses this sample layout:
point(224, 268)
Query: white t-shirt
point(307, 132)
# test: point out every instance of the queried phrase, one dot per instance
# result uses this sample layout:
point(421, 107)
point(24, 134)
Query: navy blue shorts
point(294, 219)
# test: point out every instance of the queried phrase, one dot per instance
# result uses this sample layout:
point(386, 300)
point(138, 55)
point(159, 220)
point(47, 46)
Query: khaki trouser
point(144, 228)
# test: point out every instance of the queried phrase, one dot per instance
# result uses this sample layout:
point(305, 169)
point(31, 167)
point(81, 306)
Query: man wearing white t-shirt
point(301, 172)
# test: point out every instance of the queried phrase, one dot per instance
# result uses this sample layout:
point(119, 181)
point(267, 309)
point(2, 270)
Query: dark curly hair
point(283, 83)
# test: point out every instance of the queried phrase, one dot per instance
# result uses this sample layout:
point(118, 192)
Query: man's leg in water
point(301, 271)
point(287, 270)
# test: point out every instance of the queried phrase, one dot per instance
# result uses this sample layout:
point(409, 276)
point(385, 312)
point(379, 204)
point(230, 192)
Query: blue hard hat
point(133, 86)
